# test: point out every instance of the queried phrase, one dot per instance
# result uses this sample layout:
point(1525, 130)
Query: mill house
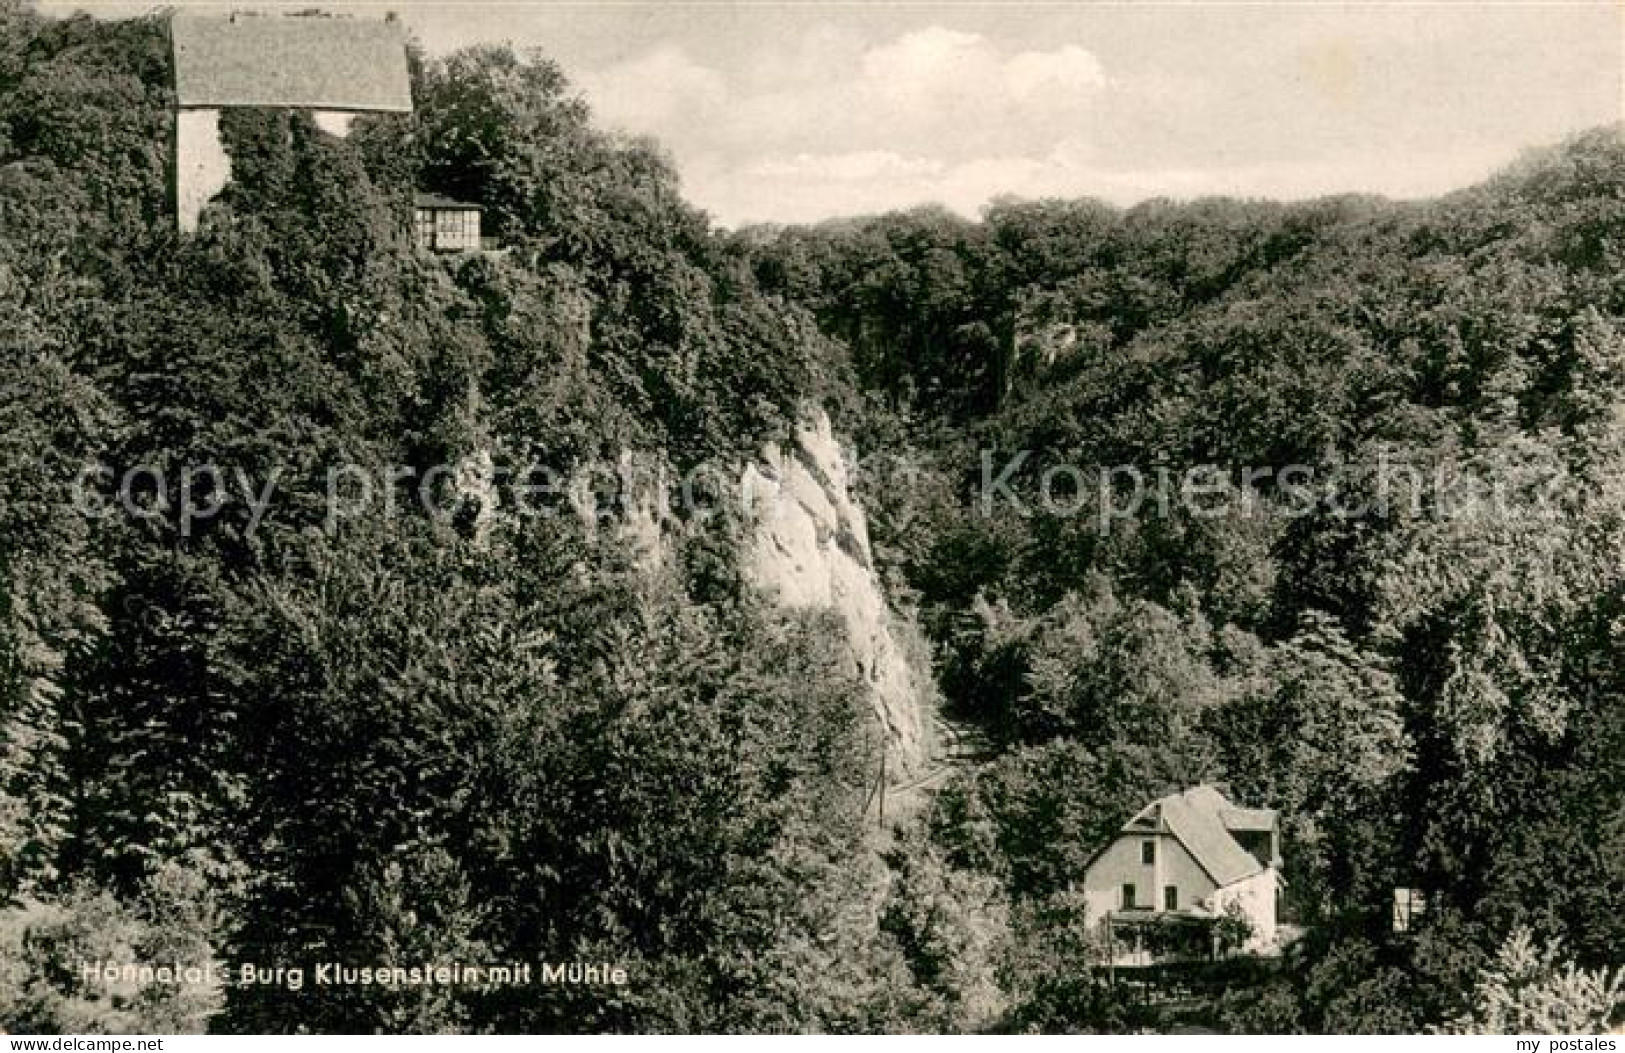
point(1179, 865)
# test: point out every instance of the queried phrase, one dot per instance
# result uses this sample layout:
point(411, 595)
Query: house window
point(1409, 905)
point(1170, 897)
point(1128, 895)
point(1148, 853)
point(448, 229)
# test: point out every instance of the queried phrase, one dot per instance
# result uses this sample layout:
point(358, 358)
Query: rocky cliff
point(810, 547)
point(807, 543)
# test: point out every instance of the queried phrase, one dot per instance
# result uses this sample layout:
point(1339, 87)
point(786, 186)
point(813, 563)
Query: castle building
point(332, 68)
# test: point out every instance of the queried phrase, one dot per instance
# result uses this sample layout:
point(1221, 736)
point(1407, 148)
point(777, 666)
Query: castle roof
point(290, 62)
point(423, 199)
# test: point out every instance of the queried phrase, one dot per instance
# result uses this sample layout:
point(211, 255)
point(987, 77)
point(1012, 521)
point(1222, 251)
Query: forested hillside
point(438, 731)
point(1391, 606)
point(402, 738)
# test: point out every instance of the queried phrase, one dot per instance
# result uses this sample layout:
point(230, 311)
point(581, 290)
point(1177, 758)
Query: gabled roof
point(1200, 818)
point(1254, 820)
point(290, 62)
point(424, 200)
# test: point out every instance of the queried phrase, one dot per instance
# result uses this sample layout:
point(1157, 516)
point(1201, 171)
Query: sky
point(795, 112)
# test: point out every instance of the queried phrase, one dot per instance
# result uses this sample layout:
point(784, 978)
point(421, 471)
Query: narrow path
point(957, 746)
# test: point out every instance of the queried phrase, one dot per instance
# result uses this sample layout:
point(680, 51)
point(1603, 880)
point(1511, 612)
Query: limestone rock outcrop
point(809, 546)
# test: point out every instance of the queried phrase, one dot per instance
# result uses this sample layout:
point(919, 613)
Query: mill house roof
point(1205, 822)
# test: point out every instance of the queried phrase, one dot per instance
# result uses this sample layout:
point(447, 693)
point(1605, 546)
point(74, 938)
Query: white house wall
point(202, 167)
point(1120, 864)
point(334, 122)
point(1256, 895)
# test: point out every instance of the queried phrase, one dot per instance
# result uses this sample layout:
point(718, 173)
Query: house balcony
point(1143, 936)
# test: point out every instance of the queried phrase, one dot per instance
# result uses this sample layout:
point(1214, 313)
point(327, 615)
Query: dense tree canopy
point(236, 727)
point(1393, 611)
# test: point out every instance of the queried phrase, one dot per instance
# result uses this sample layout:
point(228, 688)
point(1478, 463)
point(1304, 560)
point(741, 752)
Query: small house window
point(1148, 853)
point(1128, 896)
point(1409, 905)
point(1170, 897)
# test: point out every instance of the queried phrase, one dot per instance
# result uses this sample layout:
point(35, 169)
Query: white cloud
point(857, 166)
point(926, 69)
point(939, 70)
point(656, 92)
point(829, 121)
point(834, 126)
point(944, 88)
point(931, 91)
point(1070, 71)
point(807, 187)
